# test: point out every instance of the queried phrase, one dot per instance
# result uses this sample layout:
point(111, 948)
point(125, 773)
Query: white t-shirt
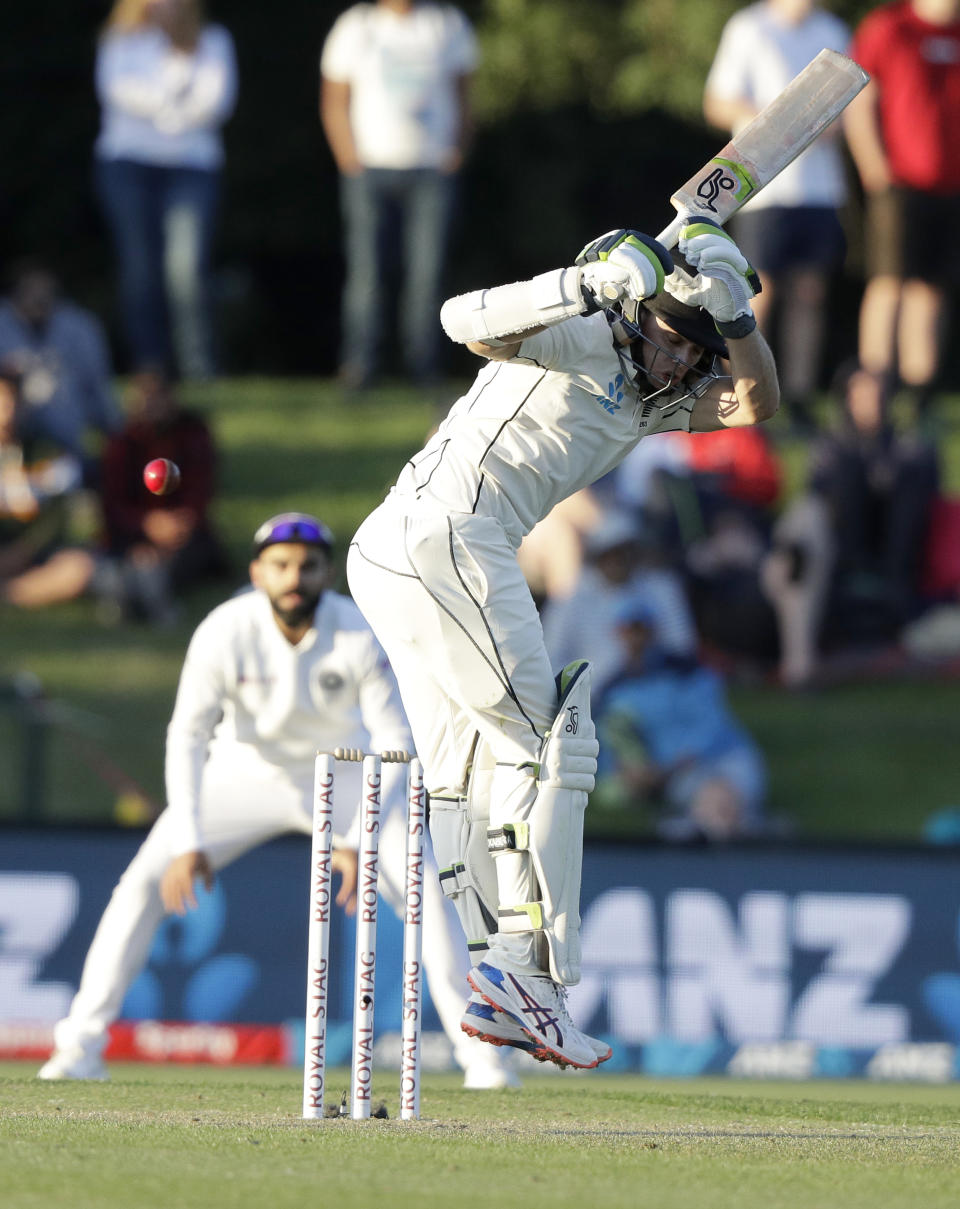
point(403, 70)
point(243, 685)
point(533, 430)
point(160, 105)
point(759, 54)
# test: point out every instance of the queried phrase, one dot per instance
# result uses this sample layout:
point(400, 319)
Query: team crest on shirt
point(612, 400)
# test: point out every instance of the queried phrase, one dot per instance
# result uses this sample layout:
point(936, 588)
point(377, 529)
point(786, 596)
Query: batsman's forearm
point(755, 382)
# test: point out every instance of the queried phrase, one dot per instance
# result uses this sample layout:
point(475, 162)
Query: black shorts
point(776, 239)
point(913, 234)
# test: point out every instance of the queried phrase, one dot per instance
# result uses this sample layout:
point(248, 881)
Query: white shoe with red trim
point(483, 1021)
point(537, 1005)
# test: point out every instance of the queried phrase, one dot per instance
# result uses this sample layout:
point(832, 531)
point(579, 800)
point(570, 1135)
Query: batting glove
point(725, 282)
point(622, 264)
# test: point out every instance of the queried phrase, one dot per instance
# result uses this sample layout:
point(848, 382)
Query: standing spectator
point(904, 135)
point(59, 352)
point(161, 544)
point(395, 109)
point(166, 81)
point(790, 232)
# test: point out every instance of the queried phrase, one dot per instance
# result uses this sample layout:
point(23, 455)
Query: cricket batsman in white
point(582, 363)
point(271, 676)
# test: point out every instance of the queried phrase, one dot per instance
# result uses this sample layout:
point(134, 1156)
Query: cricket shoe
point(486, 1023)
point(537, 1005)
point(74, 1063)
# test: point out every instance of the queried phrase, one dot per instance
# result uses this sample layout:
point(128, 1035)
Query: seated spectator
point(668, 740)
point(60, 353)
point(551, 554)
point(619, 562)
point(38, 565)
point(160, 544)
point(710, 499)
point(845, 567)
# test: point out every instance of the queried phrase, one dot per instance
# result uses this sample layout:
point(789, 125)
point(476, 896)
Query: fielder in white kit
point(582, 363)
point(271, 677)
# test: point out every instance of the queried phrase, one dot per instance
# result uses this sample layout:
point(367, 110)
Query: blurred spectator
point(166, 81)
point(395, 109)
point(735, 482)
point(710, 499)
point(551, 554)
point(904, 135)
point(59, 352)
point(643, 479)
point(160, 544)
point(668, 739)
point(38, 565)
point(846, 561)
point(619, 564)
point(790, 232)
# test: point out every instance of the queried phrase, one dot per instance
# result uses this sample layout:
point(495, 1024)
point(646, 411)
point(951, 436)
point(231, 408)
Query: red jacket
point(743, 462)
point(916, 67)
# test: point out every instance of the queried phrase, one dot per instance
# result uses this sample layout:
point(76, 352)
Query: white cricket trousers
point(445, 596)
point(244, 803)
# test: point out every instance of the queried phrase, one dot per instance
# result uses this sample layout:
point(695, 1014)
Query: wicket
point(318, 942)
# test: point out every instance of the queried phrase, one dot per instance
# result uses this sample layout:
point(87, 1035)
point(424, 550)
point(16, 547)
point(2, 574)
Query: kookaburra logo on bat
point(710, 187)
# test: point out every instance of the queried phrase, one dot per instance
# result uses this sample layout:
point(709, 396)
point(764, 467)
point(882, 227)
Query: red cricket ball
point(161, 476)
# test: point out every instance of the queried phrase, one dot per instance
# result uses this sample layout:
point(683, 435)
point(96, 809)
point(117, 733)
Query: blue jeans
point(380, 205)
point(162, 222)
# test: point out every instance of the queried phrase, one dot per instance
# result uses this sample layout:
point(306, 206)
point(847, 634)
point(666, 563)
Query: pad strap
point(524, 917)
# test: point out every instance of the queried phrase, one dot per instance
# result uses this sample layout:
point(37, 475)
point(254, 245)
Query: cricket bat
point(773, 139)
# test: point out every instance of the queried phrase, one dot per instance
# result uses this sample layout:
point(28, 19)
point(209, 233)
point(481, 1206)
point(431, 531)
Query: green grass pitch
point(199, 1137)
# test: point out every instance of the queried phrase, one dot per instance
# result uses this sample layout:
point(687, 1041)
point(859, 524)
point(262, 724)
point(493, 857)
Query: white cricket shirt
point(533, 430)
point(403, 70)
point(243, 685)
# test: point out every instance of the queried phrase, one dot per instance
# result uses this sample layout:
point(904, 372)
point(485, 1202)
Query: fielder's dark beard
point(299, 613)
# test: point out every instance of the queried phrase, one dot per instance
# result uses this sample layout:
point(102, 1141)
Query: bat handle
point(611, 292)
point(669, 235)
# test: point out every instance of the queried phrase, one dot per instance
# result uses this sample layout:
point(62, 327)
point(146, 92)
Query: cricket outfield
point(160, 1136)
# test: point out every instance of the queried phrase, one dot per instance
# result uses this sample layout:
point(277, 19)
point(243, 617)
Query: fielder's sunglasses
point(292, 527)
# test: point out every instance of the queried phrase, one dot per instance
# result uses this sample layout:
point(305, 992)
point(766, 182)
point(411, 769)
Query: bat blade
point(773, 139)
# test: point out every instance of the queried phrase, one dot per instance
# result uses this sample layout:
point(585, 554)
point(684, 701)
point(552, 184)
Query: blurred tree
point(614, 56)
point(617, 57)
